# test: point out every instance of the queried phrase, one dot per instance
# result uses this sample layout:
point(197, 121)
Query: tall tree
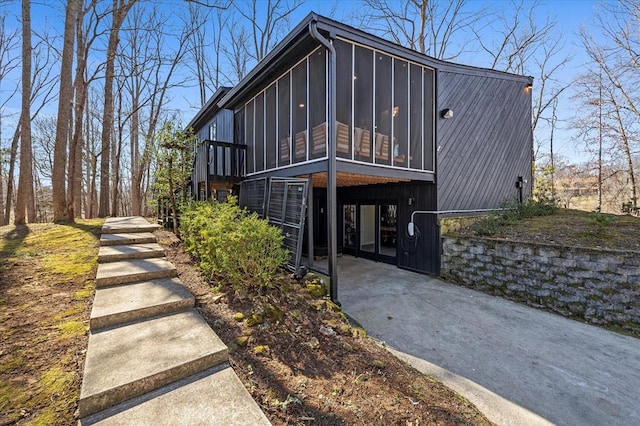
point(268, 22)
point(436, 28)
point(60, 210)
point(25, 200)
point(9, 61)
point(120, 10)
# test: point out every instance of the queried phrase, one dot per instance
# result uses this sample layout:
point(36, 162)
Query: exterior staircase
point(152, 359)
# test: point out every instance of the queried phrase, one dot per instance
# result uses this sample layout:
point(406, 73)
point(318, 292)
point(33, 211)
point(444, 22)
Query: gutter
point(332, 219)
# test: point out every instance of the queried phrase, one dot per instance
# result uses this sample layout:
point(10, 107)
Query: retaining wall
point(599, 286)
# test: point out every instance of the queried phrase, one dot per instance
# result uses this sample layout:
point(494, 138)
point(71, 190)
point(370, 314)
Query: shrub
point(233, 244)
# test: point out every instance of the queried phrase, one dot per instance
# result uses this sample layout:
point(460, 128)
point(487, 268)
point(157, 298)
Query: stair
point(133, 251)
point(152, 359)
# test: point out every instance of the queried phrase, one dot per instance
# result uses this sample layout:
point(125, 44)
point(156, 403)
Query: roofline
point(339, 29)
point(207, 108)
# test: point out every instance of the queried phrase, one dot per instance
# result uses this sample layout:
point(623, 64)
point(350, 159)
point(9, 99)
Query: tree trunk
point(120, 11)
point(74, 194)
point(60, 207)
point(12, 168)
point(25, 200)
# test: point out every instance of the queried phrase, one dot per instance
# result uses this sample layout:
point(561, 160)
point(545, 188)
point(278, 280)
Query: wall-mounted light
point(528, 87)
point(446, 113)
point(411, 201)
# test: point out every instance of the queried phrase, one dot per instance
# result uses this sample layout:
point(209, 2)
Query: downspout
point(332, 219)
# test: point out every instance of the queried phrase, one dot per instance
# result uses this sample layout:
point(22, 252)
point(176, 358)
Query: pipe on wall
point(332, 202)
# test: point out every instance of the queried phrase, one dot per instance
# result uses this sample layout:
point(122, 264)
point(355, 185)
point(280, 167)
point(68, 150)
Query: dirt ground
point(305, 365)
point(46, 288)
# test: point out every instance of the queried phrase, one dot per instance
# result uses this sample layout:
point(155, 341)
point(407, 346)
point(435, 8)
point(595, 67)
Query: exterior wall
point(425, 257)
point(599, 286)
point(487, 143)
point(223, 123)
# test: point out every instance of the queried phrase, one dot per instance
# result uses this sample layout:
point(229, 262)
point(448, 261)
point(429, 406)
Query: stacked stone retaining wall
point(599, 286)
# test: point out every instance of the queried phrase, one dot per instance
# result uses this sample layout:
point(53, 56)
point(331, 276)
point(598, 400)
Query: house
point(386, 141)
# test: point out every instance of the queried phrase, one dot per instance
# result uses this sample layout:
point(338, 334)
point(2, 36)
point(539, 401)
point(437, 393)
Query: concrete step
point(135, 224)
point(127, 238)
point(125, 303)
point(129, 271)
point(213, 397)
point(129, 361)
point(132, 251)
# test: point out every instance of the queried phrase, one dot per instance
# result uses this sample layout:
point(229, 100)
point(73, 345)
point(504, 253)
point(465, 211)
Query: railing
point(226, 161)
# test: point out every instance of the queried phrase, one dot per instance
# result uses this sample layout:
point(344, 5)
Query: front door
point(369, 229)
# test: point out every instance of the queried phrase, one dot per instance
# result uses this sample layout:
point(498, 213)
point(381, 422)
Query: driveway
point(517, 364)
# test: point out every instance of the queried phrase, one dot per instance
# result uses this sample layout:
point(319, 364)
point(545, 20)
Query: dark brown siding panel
point(486, 145)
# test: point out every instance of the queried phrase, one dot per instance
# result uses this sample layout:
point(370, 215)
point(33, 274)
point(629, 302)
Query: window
point(284, 120)
point(270, 109)
point(363, 103)
point(259, 132)
point(399, 113)
point(213, 131)
point(249, 132)
point(318, 103)
point(383, 108)
point(344, 81)
point(415, 116)
point(299, 125)
point(428, 115)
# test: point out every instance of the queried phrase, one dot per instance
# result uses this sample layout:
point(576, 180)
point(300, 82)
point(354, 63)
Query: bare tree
point(120, 10)
point(616, 54)
point(205, 47)
point(440, 29)
point(25, 200)
point(9, 61)
point(236, 52)
point(86, 35)
point(60, 211)
point(268, 23)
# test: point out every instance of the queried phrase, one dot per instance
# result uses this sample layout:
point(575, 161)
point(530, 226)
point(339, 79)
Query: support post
point(332, 218)
point(310, 223)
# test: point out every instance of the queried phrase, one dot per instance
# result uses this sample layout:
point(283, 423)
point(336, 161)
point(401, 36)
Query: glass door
point(368, 239)
point(370, 230)
point(349, 227)
point(388, 220)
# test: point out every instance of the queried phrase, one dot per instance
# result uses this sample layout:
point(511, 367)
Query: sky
point(570, 15)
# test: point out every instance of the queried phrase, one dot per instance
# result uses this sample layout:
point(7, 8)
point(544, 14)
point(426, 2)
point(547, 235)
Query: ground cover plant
point(564, 227)
point(47, 276)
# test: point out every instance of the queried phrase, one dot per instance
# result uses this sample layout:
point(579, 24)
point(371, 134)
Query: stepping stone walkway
point(152, 359)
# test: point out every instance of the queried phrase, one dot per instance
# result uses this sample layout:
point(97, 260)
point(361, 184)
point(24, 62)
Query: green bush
point(232, 244)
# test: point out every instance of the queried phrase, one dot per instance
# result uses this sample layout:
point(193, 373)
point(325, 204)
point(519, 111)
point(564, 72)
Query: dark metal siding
point(486, 145)
point(224, 127)
point(426, 257)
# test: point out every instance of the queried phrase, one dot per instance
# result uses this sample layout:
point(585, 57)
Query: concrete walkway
point(152, 359)
point(518, 365)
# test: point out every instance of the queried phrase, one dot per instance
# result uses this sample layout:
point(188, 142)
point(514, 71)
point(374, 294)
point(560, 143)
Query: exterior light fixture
point(411, 201)
point(446, 113)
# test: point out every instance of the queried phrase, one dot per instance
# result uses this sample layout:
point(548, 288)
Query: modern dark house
point(381, 135)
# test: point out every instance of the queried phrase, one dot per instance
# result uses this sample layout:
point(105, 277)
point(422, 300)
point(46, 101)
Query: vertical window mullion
point(393, 99)
point(277, 141)
point(308, 138)
point(422, 116)
point(373, 108)
point(353, 121)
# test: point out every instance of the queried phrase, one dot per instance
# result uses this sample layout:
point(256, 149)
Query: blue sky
point(569, 14)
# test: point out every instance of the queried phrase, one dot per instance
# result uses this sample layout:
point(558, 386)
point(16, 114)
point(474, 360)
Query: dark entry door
point(370, 230)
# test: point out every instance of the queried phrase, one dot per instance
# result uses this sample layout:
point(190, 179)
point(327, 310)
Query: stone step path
point(151, 358)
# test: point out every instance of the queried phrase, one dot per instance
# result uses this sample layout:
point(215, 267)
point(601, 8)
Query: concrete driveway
point(517, 364)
